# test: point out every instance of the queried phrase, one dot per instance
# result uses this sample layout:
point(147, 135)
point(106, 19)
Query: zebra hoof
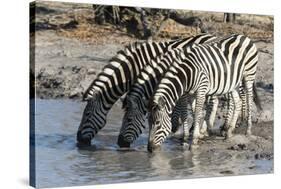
point(185, 139)
point(193, 147)
point(228, 137)
point(202, 135)
point(186, 145)
point(195, 141)
point(248, 133)
point(223, 132)
point(206, 134)
point(210, 132)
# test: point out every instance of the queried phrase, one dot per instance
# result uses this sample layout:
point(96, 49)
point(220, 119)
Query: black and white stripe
point(115, 79)
point(207, 69)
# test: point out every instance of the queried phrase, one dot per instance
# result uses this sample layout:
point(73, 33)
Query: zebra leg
point(180, 112)
point(175, 119)
point(198, 116)
point(186, 128)
point(203, 124)
point(212, 108)
point(244, 100)
point(236, 108)
point(203, 129)
point(183, 109)
point(227, 114)
point(249, 95)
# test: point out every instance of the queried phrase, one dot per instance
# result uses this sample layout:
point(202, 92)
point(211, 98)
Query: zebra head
point(159, 123)
point(92, 120)
point(133, 120)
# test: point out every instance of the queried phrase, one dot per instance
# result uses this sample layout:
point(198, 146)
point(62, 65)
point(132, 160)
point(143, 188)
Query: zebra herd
point(162, 78)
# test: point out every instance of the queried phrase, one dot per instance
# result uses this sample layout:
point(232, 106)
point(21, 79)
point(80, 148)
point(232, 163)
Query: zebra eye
point(157, 122)
point(88, 113)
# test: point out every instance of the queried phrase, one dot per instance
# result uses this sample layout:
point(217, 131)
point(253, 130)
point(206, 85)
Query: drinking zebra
point(207, 69)
point(135, 104)
point(117, 77)
point(136, 100)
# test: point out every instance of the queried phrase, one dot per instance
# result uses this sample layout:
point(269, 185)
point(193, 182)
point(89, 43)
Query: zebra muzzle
point(83, 140)
point(151, 147)
point(122, 143)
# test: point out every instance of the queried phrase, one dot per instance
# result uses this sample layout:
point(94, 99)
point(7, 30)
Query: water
point(60, 163)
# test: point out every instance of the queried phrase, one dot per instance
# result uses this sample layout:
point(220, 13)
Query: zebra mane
point(219, 39)
point(177, 53)
point(132, 47)
point(90, 93)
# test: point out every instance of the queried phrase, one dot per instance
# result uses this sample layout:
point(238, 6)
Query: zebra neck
point(174, 85)
point(123, 69)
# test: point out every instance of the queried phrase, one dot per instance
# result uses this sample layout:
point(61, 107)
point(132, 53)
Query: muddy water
point(60, 163)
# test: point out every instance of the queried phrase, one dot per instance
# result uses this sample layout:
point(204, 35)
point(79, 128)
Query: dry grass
point(255, 26)
point(96, 34)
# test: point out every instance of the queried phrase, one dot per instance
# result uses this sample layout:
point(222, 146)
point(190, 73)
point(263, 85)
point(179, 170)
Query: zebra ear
point(86, 97)
point(90, 95)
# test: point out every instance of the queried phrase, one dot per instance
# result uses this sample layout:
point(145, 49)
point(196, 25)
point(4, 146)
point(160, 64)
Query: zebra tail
point(256, 97)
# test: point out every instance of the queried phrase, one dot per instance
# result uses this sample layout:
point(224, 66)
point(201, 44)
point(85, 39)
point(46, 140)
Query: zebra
point(200, 70)
point(135, 104)
point(136, 100)
point(116, 78)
